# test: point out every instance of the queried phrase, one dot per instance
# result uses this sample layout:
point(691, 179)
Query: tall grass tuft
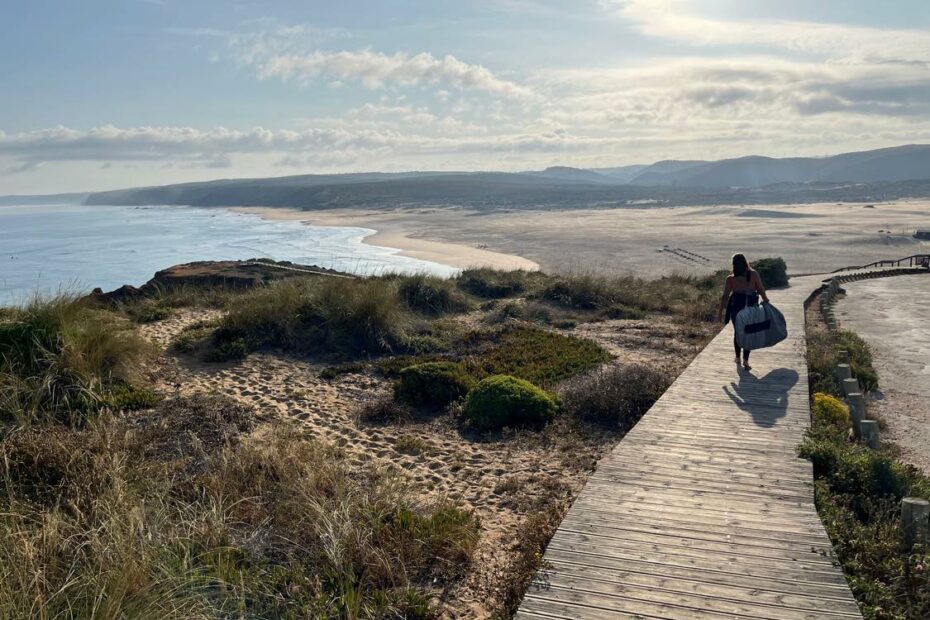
point(60, 357)
point(351, 318)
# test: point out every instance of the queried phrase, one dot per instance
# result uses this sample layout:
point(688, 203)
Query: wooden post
point(842, 357)
point(843, 372)
point(915, 521)
point(868, 429)
point(856, 403)
point(850, 386)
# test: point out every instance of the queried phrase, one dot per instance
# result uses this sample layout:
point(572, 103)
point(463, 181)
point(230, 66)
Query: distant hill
point(902, 163)
point(42, 199)
point(575, 175)
point(883, 174)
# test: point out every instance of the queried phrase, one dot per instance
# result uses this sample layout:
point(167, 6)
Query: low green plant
point(503, 401)
point(433, 385)
point(536, 355)
point(858, 491)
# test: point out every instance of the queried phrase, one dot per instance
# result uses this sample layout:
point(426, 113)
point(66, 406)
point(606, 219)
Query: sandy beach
point(649, 241)
point(398, 230)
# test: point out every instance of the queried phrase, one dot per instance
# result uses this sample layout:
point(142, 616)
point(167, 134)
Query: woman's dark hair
point(741, 266)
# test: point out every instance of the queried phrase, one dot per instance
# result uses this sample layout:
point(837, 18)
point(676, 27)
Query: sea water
point(74, 248)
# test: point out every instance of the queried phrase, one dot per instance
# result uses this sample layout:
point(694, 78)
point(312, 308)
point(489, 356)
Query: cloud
point(676, 20)
point(375, 70)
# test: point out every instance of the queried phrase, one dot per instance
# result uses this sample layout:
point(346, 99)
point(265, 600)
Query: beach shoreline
point(392, 231)
point(642, 242)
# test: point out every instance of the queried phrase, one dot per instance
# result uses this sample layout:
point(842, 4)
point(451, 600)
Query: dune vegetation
point(126, 497)
point(858, 490)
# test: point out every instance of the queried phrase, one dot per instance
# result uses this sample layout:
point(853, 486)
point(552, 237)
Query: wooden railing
point(915, 260)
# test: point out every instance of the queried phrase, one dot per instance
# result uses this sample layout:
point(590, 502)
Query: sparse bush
point(59, 357)
point(431, 295)
point(587, 291)
point(504, 401)
point(627, 297)
point(830, 410)
point(616, 396)
point(331, 373)
point(433, 384)
point(773, 271)
point(148, 313)
point(620, 311)
point(491, 283)
point(384, 410)
point(822, 360)
point(526, 558)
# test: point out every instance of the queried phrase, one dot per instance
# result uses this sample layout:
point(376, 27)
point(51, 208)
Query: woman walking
point(743, 288)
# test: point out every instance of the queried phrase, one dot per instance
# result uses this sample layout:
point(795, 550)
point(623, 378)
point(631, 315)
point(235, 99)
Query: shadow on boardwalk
point(765, 398)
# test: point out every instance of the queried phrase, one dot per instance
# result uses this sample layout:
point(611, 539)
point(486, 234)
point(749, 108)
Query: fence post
point(869, 431)
point(856, 403)
point(915, 521)
point(843, 372)
point(850, 385)
point(842, 356)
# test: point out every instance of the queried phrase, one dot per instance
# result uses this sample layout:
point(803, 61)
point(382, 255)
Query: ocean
point(74, 248)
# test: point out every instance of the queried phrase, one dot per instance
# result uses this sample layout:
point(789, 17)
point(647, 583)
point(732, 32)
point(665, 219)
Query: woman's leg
point(737, 348)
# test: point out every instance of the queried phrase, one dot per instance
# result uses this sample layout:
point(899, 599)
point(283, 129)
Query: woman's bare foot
point(746, 365)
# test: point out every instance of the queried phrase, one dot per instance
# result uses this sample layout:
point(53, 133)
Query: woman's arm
point(727, 287)
point(760, 288)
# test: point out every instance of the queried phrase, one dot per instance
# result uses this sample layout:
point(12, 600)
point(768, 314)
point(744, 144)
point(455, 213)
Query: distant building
point(922, 234)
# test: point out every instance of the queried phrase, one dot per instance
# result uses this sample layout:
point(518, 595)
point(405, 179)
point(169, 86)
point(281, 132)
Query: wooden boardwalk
point(704, 509)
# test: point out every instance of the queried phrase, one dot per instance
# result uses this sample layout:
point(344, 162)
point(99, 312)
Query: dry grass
point(113, 521)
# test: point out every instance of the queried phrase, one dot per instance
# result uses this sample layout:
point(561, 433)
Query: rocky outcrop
point(208, 274)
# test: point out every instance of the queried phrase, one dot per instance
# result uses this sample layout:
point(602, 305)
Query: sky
point(103, 94)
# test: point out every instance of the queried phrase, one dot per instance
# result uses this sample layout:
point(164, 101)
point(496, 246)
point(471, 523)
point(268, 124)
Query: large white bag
point(760, 326)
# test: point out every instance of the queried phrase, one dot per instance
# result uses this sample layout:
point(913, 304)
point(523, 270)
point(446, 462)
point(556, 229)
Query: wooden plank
point(704, 509)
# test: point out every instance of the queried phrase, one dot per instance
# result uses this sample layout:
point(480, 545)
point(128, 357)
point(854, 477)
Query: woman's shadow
point(764, 398)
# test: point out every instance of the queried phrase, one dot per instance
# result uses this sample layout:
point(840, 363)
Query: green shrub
point(433, 384)
point(504, 401)
point(431, 295)
point(830, 410)
point(491, 283)
point(616, 396)
point(773, 271)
